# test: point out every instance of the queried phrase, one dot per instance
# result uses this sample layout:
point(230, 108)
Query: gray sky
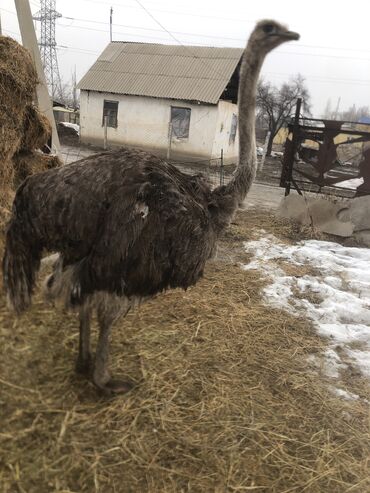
point(332, 54)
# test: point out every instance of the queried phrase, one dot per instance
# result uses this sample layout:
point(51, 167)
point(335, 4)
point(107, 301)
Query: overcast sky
point(333, 53)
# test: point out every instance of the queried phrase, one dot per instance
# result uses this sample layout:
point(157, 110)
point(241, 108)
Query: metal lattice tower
point(47, 15)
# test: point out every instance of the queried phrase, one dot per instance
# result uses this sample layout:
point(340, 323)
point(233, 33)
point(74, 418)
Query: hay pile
point(23, 129)
point(18, 81)
point(226, 399)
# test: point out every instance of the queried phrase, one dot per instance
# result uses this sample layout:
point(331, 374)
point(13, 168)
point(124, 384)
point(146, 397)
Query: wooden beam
point(29, 41)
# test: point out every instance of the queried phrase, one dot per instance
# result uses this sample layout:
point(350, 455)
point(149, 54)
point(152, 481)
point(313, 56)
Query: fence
point(214, 169)
point(327, 156)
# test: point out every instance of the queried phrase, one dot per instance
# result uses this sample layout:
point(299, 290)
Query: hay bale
point(36, 129)
point(18, 80)
point(17, 72)
point(30, 163)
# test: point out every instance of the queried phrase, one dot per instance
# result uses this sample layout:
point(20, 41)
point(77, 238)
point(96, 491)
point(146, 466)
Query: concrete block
point(322, 214)
point(359, 213)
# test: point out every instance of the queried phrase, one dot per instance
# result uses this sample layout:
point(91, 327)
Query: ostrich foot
point(114, 386)
point(84, 365)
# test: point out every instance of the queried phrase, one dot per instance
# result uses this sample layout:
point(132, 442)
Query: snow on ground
point(72, 125)
point(353, 183)
point(336, 297)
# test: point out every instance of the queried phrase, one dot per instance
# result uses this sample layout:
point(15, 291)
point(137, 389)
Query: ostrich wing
point(155, 235)
point(127, 222)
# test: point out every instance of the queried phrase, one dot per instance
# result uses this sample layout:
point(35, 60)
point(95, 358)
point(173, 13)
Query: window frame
point(188, 112)
point(110, 101)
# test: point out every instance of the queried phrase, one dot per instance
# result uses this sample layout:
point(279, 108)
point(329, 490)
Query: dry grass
point(29, 163)
point(225, 401)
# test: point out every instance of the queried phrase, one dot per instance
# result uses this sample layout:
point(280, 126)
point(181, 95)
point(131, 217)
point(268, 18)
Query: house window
point(110, 110)
point(180, 119)
point(234, 125)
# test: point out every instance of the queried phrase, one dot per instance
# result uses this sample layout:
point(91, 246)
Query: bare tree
point(276, 105)
point(328, 111)
point(354, 114)
point(68, 94)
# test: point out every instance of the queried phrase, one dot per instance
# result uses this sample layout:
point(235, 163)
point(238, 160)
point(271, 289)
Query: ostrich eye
point(268, 28)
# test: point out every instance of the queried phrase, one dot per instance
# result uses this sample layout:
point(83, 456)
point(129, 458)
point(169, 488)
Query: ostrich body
point(127, 225)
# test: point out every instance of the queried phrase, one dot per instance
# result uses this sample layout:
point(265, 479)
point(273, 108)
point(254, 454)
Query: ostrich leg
point(84, 360)
point(101, 375)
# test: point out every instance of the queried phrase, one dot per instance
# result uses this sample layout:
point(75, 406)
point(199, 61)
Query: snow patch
point(352, 184)
point(337, 300)
point(349, 396)
point(71, 125)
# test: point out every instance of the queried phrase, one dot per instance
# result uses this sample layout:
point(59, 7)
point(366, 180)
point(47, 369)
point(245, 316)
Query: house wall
point(222, 134)
point(144, 122)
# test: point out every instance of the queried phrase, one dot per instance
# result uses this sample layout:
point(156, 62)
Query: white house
point(177, 100)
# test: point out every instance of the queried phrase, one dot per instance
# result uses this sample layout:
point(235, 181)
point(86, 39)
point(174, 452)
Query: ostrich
point(127, 225)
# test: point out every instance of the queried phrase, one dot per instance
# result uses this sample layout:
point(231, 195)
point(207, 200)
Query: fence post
point(105, 131)
point(293, 146)
point(263, 157)
point(222, 168)
point(169, 140)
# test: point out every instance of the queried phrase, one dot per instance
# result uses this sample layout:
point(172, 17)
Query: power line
point(115, 32)
point(159, 23)
point(207, 16)
point(319, 55)
point(12, 32)
point(323, 55)
point(212, 36)
point(77, 50)
point(156, 30)
point(8, 11)
point(318, 78)
point(207, 36)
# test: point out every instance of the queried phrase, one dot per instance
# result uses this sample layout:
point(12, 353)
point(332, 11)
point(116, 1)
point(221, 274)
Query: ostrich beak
point(291, 35)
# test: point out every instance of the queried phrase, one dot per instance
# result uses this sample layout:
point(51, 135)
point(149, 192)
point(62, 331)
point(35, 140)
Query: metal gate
point(328, 156)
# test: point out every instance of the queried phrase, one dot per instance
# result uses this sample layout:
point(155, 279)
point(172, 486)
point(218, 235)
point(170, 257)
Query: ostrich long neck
point(246, 170)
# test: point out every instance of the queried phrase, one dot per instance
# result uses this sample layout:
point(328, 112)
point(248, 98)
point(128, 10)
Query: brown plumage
point(127, 224)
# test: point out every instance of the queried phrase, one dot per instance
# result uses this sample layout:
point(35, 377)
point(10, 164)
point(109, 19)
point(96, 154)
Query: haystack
point(18, 81)
point(23, 129)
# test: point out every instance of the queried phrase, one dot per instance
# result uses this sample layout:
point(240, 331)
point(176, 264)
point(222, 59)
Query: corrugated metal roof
point(195, 73)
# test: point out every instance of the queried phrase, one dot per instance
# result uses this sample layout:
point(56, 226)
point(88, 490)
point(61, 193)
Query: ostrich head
point(269, 34)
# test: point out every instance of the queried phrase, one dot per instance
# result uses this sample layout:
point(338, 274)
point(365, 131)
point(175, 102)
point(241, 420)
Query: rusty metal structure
point(313, 157)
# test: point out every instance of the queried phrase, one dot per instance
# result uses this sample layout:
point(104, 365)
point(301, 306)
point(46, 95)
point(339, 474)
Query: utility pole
point(337, 109)
point(48, 15)
point(74, 89)
point(29, 41)
point(110, 23)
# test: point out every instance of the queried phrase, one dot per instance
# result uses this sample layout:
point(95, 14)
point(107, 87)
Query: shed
point(177, 100)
